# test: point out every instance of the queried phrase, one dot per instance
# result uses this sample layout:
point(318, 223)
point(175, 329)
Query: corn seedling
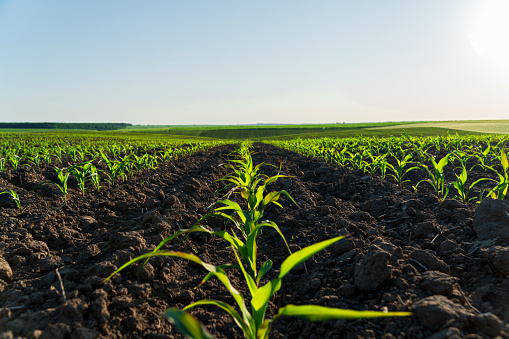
point(115, 168)
point(63, 177)
point(14, 160)
point(483, 158)
point(253, 322)
point(82, 172)
point(437, 177)
point(461, 186)
point(399, 171)
point(15, 197)
point(356, 161)
point(500, 191)
point(94, 177)
point(252, 185)
point(462, 158)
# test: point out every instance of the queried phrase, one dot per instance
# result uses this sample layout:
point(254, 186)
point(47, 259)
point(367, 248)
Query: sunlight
point(490, 39)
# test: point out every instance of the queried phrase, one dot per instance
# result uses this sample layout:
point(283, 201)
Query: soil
point(407, 251)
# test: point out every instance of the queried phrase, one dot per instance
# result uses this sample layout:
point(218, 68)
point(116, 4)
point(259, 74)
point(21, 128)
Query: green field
point(284, 132)
point(479, 126)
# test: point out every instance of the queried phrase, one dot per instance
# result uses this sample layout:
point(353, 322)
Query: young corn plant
point(437, 178)
point(94, 177)
point(399, 171)
point(378, 162)
point(500, 191)
point(116, 168)
point(82, 172)
point(483, 158)
point(15, 197)
point(462, 158)
point(253, 322)
point(461, 186)
point(14, 160)
point(356, 161)
point(252, 185)
point(63, 176)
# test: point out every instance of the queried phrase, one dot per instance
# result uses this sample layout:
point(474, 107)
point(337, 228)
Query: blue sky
point(232, 62)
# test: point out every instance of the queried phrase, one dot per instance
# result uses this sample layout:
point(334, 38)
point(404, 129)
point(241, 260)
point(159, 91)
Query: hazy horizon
point(230, 63)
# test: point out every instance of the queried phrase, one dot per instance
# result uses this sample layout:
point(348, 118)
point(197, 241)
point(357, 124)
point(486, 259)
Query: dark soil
point(408, 251)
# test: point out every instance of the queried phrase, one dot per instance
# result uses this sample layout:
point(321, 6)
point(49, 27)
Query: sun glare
point(490, 38)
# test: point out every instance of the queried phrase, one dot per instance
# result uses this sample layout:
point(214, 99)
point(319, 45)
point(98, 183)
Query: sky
point(171, 62)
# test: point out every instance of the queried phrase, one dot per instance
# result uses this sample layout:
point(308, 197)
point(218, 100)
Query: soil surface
point(408, 251)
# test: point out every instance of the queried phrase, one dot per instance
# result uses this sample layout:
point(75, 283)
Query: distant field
point(261, 132)
point(478, 126)
point(368, 132)
point(283, 132)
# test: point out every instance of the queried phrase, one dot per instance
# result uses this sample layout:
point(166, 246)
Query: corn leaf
point(304, 254)
point(224, 306)
point(187, 324)
point(320, 313)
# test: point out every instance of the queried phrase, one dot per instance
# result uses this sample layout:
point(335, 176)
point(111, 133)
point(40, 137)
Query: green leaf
point(187, 324)
point(183, 255)
point(271, 197)
point(503, 160)
point(304, 254)
point(264, 269)
point(250, 281)
point(261, 298)
point(319, 313)
point(224, 306)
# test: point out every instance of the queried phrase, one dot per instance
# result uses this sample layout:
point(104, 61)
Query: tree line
point(99, 126)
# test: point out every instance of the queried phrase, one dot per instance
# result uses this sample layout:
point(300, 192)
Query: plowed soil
point(408, 251)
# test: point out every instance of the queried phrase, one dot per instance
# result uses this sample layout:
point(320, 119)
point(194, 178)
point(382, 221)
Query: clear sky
point(241, 62)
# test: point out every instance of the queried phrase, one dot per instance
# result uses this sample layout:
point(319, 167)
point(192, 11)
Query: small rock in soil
point(343, 246)
point(373, 270)
point(122, 301)
point(100, 309)
point(447, 247)
point(451, 204)
point(71, 312)
point(437, 311)
point(101, 269)
point(498, 256)
point(32, 246)
point(50, 263)
point(5, 270)
point(437, 282)
point(424, 230)
point(145, 272)
point(141, 290)
point(171, 200)
point(491, 219)
point(87, 221)
point(489, 324)
point(412, 203)
point(124, 240)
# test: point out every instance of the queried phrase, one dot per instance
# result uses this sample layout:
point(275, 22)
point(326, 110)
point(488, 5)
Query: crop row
point(443, 162)
point(90, 161)
point(247, 220)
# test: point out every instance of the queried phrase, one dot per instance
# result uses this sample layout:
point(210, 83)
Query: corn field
point(138, 236)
